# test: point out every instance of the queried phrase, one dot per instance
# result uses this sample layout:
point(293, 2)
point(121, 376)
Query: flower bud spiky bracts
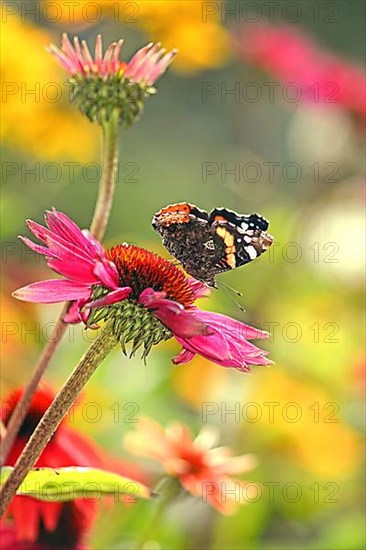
point(132, 323)
point(104, 84)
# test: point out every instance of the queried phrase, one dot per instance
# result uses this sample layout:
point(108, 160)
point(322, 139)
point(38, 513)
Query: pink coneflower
point(148, 298)
point(145, 67)
point(103, 84)
point(201, 470)
point(289, 54)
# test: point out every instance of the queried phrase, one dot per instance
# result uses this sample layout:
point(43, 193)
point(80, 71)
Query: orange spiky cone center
point(139, 269)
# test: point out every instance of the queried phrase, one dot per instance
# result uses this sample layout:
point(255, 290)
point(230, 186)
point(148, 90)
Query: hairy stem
point(49, 422)
point(97, 228)
point(107, 184)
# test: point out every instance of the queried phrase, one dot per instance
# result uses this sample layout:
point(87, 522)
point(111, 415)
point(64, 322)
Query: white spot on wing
point(252, 252)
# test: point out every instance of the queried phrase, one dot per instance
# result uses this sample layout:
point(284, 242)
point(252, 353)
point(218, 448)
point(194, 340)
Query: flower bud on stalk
point(103, 84)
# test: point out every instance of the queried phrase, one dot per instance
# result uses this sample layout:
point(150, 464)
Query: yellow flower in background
point(304, 422)
point(37, 116)
point(191, 26)
point(202, 41)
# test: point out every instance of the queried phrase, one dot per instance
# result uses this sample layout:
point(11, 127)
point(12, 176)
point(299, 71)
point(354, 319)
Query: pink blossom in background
point(294, 57)
point(202, 468)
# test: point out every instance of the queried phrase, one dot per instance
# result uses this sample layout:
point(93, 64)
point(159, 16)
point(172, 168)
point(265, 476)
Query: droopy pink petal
point(238, 330)
point(260, 359)
point(111, 298)
point(38, 230)
point(107, 273)
point(93, 241)
point(73, 315)
point(35, 247)
point(215, 349)
point(179, 321)
point(172, 314)
point(221, 350)
point(200, 289)
point(184, 356)
point(81, 243)
point(52, 291)
point(225, 356)
point(64, 227)
point(77, 271)
point(64, 250)
point(216, 346)
point(59, 247)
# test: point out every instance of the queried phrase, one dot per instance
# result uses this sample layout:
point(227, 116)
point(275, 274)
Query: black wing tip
point(233, 217)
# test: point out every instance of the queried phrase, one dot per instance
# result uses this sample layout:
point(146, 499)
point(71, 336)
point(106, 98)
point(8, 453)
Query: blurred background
point(262, 111)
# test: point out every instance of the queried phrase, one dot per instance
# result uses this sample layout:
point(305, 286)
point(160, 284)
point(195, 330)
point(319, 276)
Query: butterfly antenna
point(229, 290)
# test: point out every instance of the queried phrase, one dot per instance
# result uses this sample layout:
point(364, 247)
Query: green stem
point(49, 422)
point(98, 226)
point(171, 490)
point(108, 181)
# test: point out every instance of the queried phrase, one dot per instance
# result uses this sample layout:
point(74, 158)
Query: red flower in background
point(293, 57)
point(9, 537)
point(53, 525)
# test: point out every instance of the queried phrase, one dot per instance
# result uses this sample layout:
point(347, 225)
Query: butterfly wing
point(238, 239)
point(186, 234)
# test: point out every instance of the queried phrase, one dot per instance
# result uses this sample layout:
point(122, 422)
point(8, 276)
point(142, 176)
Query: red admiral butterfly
point(208, 244)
